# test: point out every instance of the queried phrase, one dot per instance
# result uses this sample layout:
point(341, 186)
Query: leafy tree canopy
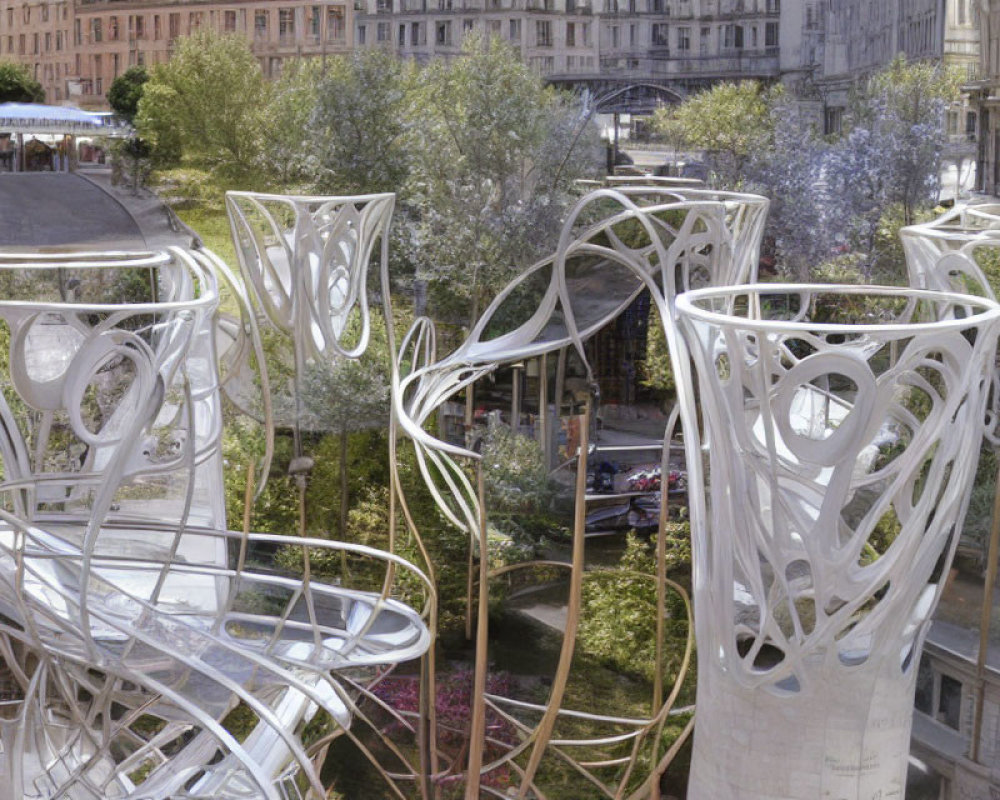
point(17, 85)
point(730, 122)
point(359, 123)
point(495, 157)
point(209, 101)
point(125, 91)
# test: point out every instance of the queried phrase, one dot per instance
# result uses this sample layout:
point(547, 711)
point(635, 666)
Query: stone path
point(59, 211)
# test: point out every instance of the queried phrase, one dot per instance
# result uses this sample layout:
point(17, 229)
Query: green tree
point(495, 157)
point(345, 396)
point(657, 371)
point(730, 122)
point(17, 85)
point(359, 124)
point(125, 91)
point(209, 103)
point(287, 144)
point(618, 625)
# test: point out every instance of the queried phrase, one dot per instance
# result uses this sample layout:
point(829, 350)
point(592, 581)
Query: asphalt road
point(61, 211)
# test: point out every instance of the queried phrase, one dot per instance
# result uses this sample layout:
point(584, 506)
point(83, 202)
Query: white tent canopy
point(38, 118)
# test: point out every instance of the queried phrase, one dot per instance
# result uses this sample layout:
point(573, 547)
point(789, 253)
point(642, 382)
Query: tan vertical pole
point(515, 399)
point(984, 622)
point(477, 731)
point(560, 381)
point(543, 732)
point(543, 408)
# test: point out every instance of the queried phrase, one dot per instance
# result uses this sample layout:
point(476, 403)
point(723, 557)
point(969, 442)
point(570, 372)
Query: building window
point(174, 25)
point(113, 29)
point(442, 33)
point(286, 24)
point(970, 123)
point(229, 21)
point(401, 41)
point(771, 34)
point(260, 25)
point(315, 22)
point(416, 37)
point(157, 27)
point(362, 34)
point(96, 31)
point(570, 34)
point(615, 37)
point(683, 39)
point(515, 30)
point(732, 37)
point(833, 120)
point(660, 35)
point(99, 85)
point(773, 6)
point(923, 699)
point(543, 33)
point(48, 42)
point(468, 25)
point(952, 123)
point(382, 33)
point(495, 27)
point(335, 23)
point(962, 12)
point(138, 24)
point(949, 707)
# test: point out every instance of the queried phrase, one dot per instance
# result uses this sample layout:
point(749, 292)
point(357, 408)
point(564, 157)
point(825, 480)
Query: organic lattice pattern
point(844, 425)
point(305, 262)
point(956, 252)
point(131, 621)
point(615, 244)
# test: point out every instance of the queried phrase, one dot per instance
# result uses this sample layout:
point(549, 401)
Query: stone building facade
point(862, 36)
point(76, 48)
point(682, 44)
point(985, 94)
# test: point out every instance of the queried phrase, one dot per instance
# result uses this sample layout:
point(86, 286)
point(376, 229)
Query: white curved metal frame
point(841, 458)
point(129, 626)
point(615, 244)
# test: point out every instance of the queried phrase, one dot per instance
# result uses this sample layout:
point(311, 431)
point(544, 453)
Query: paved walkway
point(61, 211)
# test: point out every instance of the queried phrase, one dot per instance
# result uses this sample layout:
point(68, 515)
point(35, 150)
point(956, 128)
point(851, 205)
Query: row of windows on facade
point(916, 38)
point(61, 9)
point(678, 7)
point(95, 85)
point(577, 34)
point(101, 29)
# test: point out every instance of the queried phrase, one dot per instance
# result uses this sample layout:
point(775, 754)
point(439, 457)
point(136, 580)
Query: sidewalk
point(63, 211)
point(158, 225)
